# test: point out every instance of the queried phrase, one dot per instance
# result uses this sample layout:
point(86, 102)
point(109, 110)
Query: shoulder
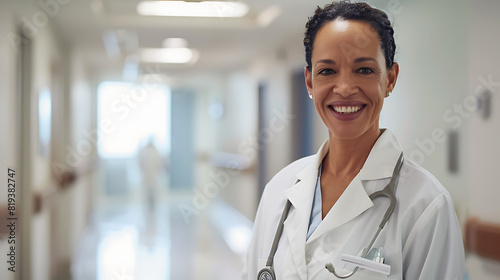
point(419, 182)
point(422, 197)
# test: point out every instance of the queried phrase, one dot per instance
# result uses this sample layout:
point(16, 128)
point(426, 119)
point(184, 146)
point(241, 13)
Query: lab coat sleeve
point(434, 247)
point(250, 266)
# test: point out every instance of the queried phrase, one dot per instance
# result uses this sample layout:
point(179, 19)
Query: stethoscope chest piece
point(266, 274)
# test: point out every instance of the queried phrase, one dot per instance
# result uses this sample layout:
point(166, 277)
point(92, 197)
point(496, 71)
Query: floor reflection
point(128, 241)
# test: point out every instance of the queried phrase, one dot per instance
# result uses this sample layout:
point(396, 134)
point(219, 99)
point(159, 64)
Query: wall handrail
point(53, 187)
point(483, 238)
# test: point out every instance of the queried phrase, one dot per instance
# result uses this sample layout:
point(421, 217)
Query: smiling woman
point(355, 73)
point(324, 206)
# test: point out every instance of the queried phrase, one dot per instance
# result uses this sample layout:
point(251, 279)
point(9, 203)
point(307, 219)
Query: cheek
point(376, 88)
point(321, 87)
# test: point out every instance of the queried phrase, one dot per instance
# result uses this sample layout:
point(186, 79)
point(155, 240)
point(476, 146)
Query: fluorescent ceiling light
point(168, 55)
point(174, 43)
point(192, 9)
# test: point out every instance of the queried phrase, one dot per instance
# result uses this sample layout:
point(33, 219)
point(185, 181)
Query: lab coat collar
point(382, 158)
point(355, 200)
point(379, 165)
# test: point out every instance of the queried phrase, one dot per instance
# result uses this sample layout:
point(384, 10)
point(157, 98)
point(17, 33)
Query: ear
point(308, 78)
point(392, 76)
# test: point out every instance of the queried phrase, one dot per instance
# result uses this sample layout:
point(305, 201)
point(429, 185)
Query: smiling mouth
point(347, 109)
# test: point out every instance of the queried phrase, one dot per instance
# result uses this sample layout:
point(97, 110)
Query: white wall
point(237, 130)
point(240, 116)
point(236, 92)
point(49, 69)
point(75, 152)
point(8, 124)
point(431, 49)
point(484, 151)
point(275, 68)
point(8, 106)
point(484, 135)
point(46, 53)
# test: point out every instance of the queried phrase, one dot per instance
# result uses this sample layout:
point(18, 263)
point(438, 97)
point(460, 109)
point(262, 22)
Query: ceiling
point(223, 43)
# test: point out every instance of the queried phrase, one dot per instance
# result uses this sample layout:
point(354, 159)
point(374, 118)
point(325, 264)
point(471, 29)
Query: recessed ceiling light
point(174, 43)
point(192, 9)
point(168, 55)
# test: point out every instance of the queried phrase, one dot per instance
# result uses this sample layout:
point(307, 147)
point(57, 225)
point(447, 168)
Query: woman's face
point(349, 80)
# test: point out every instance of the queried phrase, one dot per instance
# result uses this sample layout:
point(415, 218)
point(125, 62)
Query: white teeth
point(347, 109)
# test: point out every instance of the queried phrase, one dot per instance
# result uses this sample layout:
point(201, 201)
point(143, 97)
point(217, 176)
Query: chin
point(346, 132)
point(352, 131)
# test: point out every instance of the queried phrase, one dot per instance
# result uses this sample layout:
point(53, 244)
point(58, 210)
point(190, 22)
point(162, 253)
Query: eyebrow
point(357, 60)
point(363, 59)
point(327, 61)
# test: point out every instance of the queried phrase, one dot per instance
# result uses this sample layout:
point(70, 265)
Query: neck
point(347, 156)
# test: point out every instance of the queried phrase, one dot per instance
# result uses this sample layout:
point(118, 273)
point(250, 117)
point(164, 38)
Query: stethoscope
point(389, 191)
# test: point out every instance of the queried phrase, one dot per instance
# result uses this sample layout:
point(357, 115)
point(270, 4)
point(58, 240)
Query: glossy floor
point(127, 240)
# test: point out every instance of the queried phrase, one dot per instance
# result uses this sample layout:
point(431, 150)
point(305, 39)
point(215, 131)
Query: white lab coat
point(421, 240)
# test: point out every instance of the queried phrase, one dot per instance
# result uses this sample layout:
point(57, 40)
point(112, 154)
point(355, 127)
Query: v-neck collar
point(354, 200)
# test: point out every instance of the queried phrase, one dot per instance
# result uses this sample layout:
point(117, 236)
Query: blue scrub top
point(316, 209)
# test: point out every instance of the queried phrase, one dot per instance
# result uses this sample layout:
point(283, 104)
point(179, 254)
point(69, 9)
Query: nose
point(345, 85)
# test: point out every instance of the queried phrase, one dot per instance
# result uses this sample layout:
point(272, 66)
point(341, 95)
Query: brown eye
point(326, 72)
point(365, 71)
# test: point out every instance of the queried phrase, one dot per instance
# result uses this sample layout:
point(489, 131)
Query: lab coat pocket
point(363, 274)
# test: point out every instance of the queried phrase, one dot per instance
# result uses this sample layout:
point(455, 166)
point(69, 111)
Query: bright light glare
point(238, 238)
point(192, 9)
point(167, 55)
point(44, 119)
point(117, 254)
point(174, 43)
point(130, 113)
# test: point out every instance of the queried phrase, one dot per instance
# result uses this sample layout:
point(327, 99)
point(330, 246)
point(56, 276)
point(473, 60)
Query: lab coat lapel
point(296, 224)
point(301, 196)
point(355, 200)
point(351, 204)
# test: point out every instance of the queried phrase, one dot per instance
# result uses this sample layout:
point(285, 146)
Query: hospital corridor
point(138, 137)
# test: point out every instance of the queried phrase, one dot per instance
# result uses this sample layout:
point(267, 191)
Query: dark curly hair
point(355, 11)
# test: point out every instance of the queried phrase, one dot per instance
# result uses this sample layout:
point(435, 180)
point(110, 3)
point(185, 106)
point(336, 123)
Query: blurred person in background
point(150, 162)
point(322, 207)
